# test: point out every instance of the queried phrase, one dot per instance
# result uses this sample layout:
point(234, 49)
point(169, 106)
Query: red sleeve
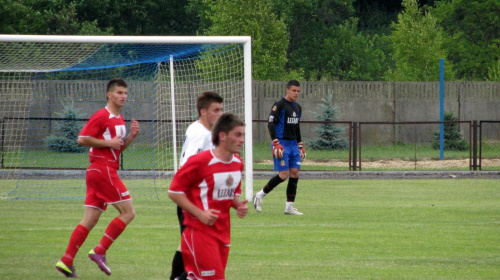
point(238, 188)
point(186, 176)
point(93, 126)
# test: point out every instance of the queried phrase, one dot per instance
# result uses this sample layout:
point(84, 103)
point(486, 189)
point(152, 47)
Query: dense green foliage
point(253, 18)
point(417, 43)
point(473, 36)
point(328, 40)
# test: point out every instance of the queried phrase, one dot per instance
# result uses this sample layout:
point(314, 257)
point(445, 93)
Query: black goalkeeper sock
point(276, 180)
point(177, 265)
point(291, 189)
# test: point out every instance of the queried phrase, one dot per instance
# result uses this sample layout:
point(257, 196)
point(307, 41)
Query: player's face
point(235, 139)
point(292, 93)
point(212, 113)
point(117, 96)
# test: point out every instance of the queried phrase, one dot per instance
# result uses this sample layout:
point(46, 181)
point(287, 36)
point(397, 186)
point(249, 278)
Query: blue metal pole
point(441, 108)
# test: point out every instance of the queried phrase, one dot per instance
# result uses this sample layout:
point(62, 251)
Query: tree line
point(314, 40)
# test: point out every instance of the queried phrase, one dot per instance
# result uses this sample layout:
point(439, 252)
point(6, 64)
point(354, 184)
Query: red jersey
point(105, 126)
point(210, 183)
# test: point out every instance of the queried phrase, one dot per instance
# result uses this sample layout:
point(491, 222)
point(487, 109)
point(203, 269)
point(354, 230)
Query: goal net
point(51, 85)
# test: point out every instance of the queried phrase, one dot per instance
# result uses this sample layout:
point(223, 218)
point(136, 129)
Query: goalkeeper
point(287, 147)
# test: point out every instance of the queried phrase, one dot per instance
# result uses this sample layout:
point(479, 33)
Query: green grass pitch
point(352, 229)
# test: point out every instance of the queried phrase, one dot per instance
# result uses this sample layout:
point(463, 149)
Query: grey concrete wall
point(355, 101)
point(384, 102)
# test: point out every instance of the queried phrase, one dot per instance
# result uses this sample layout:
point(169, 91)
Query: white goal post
point(44, 77)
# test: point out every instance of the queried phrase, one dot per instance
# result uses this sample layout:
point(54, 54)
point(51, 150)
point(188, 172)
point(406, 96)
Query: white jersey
point(198, 139)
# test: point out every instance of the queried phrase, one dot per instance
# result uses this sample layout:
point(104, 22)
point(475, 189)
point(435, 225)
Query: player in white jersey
point(198, 138)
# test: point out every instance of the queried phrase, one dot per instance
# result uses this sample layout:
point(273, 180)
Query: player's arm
point(94, 127)
point(92, 142)
point(187, 176)
point(134, 131)
point(240, 206)
point(207, 217)
point(302, 149)
point(274, 118)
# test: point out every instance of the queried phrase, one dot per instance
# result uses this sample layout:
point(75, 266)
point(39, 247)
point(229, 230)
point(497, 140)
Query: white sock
point(261, 194)
point(289, 205)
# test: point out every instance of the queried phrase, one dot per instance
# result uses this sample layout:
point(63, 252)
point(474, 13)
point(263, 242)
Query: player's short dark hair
point(225, 123)
point(114, 83)
point(292, 83)
point(206, 99)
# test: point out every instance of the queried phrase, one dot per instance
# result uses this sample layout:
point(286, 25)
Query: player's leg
point(114, 192)
point(280, 165)
point(177, 262)
point(78, 237)
point(113, 231)
point(92, 212)
point(202, 255)
point(291, 191)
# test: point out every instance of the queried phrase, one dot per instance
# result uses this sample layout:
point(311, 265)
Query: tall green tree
point(147, 17)
point(376, 16)
point(253, 18)
point(353, 56)
point(417, 45)
point(97, 17)
point(310, 23)
point(473, 29)
point(45, 17)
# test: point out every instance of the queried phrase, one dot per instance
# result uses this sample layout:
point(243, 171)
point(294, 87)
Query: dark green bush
point(453, 140)
point(66, 139)
point(329, 136)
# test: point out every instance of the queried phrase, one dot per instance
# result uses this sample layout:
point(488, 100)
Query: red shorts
point(104, 187)
point(204, 256)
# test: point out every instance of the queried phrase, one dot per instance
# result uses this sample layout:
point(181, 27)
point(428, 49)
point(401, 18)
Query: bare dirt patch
point(398, 163)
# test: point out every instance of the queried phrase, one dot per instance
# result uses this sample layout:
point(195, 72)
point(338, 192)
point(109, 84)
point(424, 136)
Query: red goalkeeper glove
point(302, 150)
point(278, 150)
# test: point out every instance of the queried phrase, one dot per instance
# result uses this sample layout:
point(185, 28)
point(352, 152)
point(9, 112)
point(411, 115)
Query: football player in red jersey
point(198, 139)
point(106, 135)
point(206, 187)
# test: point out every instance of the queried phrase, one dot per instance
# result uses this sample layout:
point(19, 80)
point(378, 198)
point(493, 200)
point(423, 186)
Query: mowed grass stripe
point(352, 229)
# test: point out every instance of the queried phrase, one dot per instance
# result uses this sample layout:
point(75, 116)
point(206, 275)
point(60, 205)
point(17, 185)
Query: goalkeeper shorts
point(291, 157)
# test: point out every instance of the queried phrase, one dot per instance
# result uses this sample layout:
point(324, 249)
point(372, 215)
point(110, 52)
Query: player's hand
point(116, 143)
point(242, 209)
point(134, 127)
point(209, 217)
point(302, 150)
point(278, 150)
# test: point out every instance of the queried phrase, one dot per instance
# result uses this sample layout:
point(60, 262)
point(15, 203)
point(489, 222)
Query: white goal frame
point(245, 40)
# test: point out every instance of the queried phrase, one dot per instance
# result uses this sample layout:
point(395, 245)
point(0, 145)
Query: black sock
point(177, 265)
point(183, 276)
point(291, 189)
point(276, 180)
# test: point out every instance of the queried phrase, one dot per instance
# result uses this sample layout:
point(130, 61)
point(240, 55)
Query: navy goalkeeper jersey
point(284, 120)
